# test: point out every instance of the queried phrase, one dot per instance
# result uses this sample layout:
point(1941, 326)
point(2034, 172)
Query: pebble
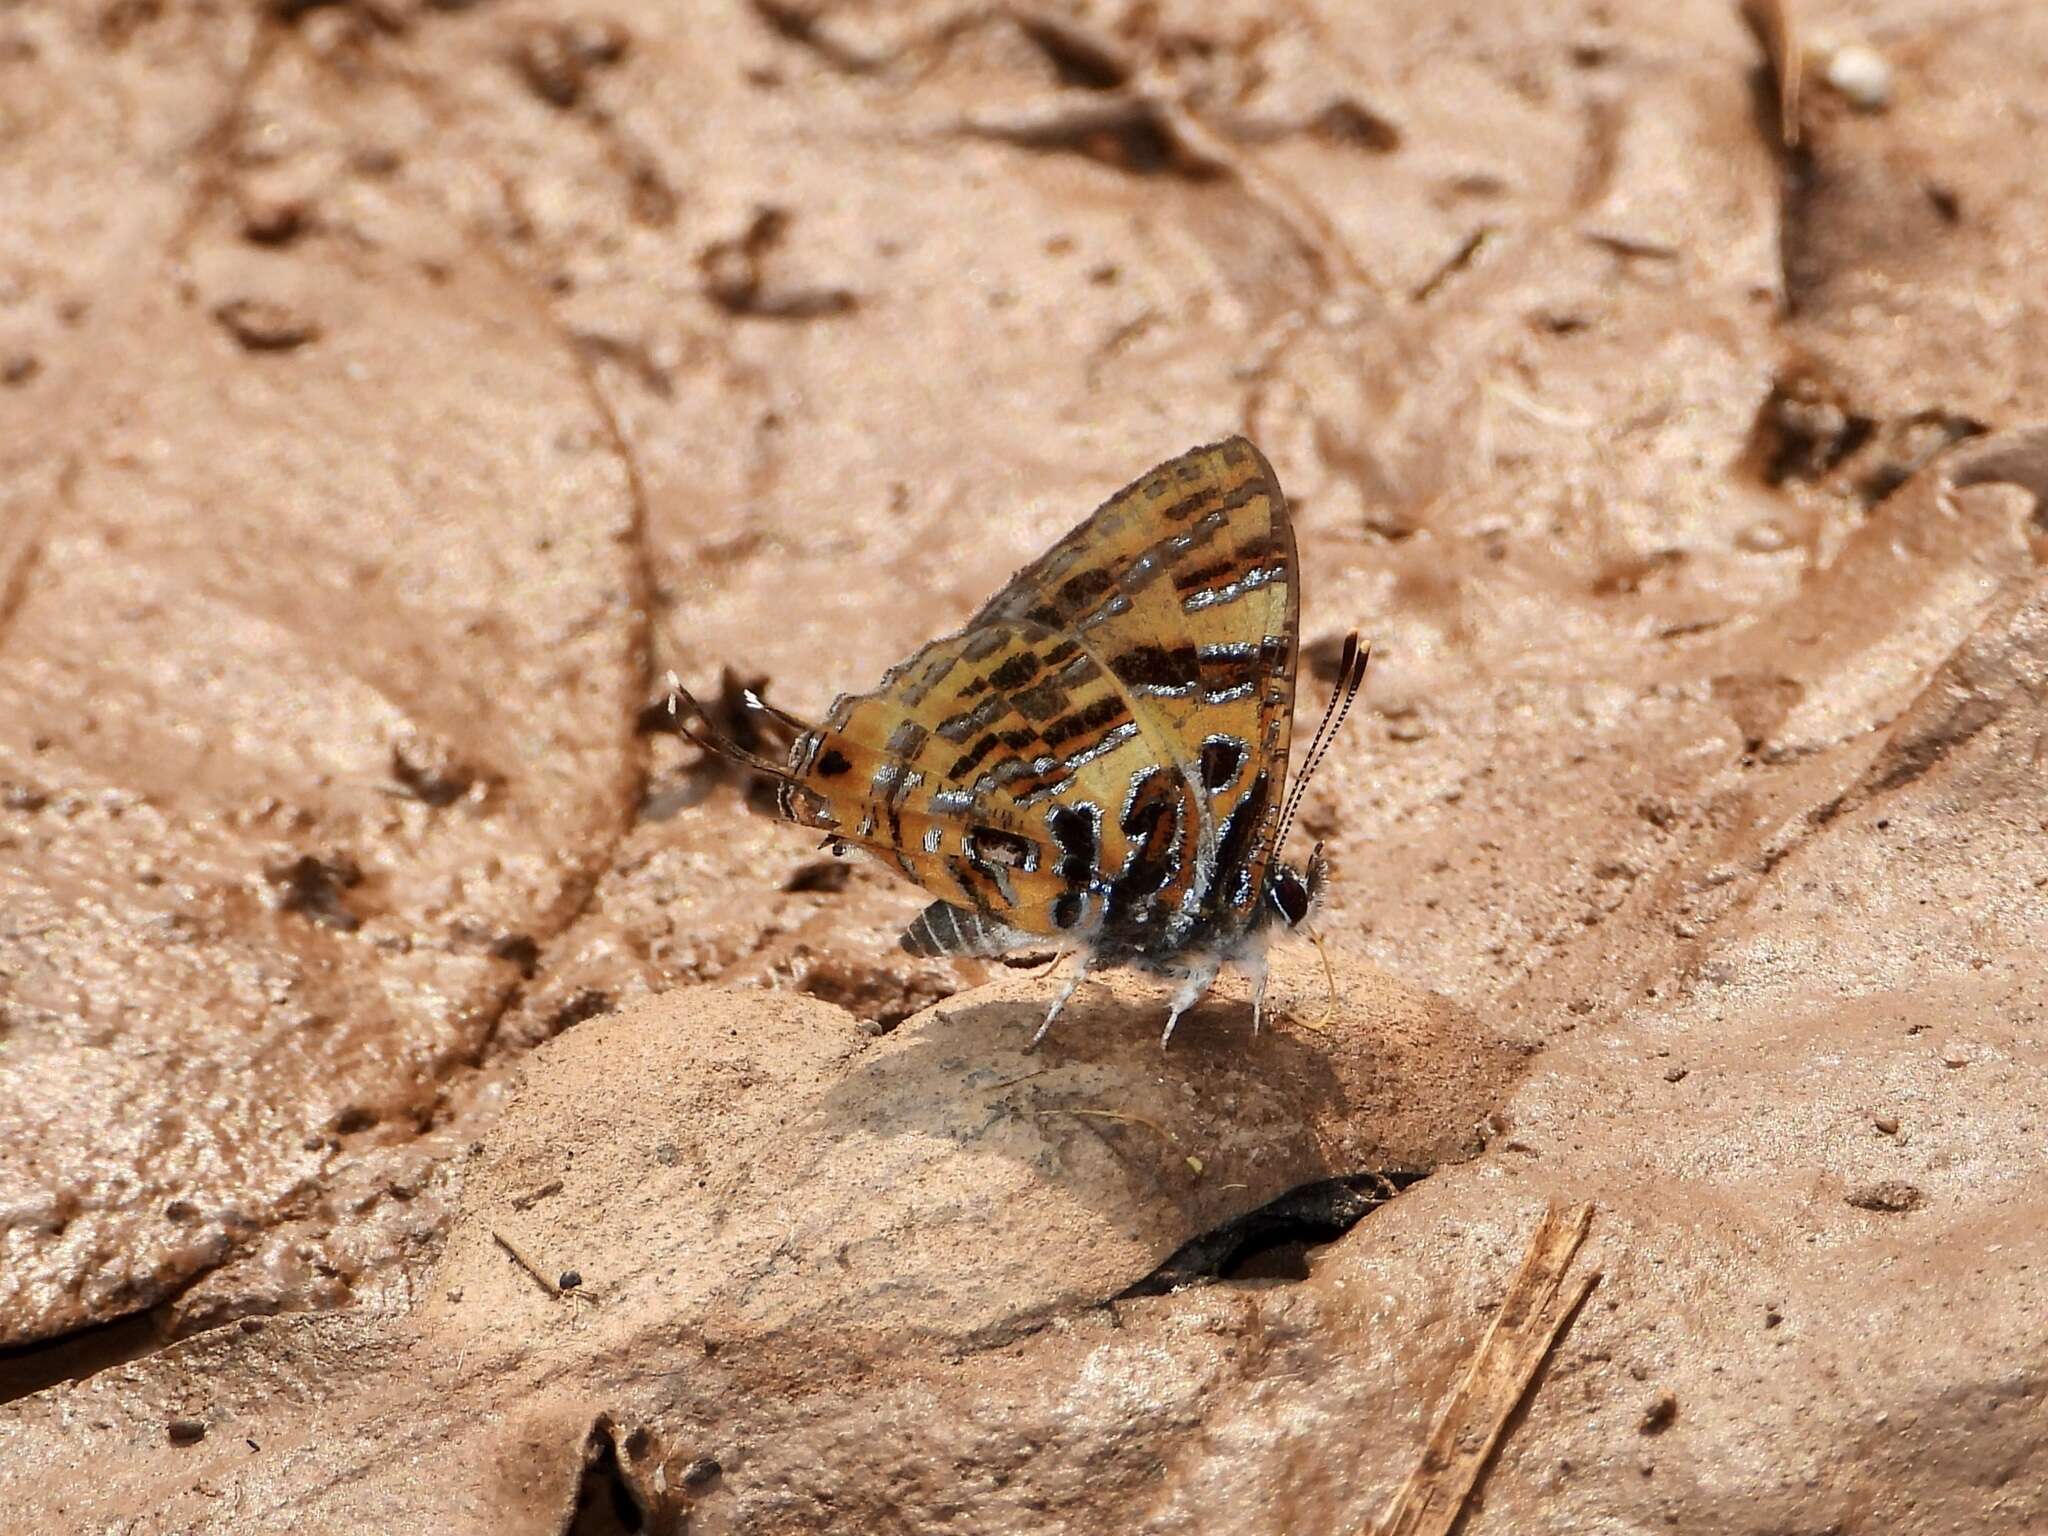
point(1660, 1415)
point(261, 325)
point(1891, 1195)
point(1862, 76)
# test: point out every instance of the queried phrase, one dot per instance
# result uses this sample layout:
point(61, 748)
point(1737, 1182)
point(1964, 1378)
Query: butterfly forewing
point(1183, 585)
point(1103, 747)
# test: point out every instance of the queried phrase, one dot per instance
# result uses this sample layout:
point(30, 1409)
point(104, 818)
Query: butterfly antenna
point(1350, 674)
point(695, 723)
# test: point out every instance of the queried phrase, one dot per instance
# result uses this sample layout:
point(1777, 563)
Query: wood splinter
point(540, 1276)
point(1533, 1315)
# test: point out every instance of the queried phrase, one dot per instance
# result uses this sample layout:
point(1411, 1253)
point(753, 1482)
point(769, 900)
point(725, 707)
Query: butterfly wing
point(946, 772)
point(1098, 754)
point(1183, 587)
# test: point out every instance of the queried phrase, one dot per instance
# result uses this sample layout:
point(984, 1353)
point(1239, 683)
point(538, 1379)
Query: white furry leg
point(1059, 1001)
point(1190, 993)
point(1254, 968)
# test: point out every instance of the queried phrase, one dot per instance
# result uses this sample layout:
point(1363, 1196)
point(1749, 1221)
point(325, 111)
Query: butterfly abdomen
point(944, 929)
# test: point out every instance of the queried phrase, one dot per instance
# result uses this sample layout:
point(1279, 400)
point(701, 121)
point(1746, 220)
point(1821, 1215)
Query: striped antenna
point(696, 724)
point(1350, 673)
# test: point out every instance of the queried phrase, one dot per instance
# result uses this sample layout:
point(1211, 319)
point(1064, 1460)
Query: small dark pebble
point(554, 73)
point(1887, 1124)
point(431, 773)
point(520, 949)
point(261, 325)
point(312, 887)
point(1660, 1415)
point(1674, 1074)
point(272, 220)
point(824, 876)
point(703, 1470)
point(571, 1278)
point(23, 797)
point(186, 1431)
point(1892, 1195)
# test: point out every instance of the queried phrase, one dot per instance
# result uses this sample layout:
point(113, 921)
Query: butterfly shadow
point(1171, 1141)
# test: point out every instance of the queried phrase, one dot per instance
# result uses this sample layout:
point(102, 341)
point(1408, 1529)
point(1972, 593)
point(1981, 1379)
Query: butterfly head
point(1292, 896)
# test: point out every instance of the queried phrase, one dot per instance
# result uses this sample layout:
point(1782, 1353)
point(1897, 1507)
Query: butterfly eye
point(1289, 896)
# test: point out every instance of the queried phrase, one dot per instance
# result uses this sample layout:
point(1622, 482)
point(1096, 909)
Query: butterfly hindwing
point(949, 770)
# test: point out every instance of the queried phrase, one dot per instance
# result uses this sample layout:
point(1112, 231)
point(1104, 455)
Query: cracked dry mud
point(390, 391)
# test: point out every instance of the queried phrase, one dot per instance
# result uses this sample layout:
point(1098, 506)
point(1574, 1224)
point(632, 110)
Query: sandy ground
point(390, 392)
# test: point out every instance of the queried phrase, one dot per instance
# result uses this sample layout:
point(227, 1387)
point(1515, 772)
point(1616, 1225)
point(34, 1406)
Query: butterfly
point(1099, 758)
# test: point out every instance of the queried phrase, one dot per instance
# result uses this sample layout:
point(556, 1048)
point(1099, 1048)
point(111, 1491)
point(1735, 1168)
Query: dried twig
point(1532, 1315)
point(1111, 1114)
point(534, 1196)
point(540, 1276)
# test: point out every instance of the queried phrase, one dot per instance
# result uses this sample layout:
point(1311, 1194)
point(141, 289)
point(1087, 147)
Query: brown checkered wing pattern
point(1184, 584)
point(909, 772)
point(1101, 750)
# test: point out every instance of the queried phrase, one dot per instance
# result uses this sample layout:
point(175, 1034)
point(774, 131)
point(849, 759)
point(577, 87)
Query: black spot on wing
point(1098, 718)
point(958, 728)
point(1074, 832)
point(832, 763)
point(1083, 587)
point(1015, 673)
point(992, 845)
point(1234, 849)
point(1224, 670)
point(1197, 578)
point(1040, 702)
point(1157, 666)
point(965, 764)
point(1152, 823)
point(1222, 757)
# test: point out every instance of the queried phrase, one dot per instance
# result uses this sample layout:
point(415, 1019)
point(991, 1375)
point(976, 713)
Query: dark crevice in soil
point(1807, 431)
point(1804, 429)
point(72, 1357)
point(1080, 56)
point(1272, 1242)
point(605, 1502)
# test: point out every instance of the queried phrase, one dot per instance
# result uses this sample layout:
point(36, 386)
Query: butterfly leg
point(1190, 993)
point(1074, 979)
point(1255, 968)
